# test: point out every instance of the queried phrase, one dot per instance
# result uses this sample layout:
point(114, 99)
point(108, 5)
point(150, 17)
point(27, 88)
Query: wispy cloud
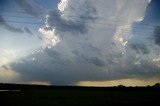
point(9, 27)
point(28, 31)
point(30, 8)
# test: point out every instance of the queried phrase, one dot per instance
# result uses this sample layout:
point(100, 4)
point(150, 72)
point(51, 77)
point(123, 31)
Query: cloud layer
point(95, 41)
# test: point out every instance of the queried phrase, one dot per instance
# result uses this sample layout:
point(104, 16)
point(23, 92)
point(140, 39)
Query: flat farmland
point(80, 96)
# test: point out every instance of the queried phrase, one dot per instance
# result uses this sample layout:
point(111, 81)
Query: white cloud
point(62, 5)
point(140, 19)
point(49, 38)
point(8, 75)
point(7, 57)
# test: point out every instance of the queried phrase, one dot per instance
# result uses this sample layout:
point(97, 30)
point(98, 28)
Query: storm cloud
point(88, 44)
point(140, 48)
point(56, 19)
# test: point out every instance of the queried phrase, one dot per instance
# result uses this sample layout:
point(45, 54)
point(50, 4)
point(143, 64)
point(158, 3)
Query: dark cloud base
point(59, 71)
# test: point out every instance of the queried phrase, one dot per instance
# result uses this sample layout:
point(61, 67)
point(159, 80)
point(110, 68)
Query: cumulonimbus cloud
point(95, 41)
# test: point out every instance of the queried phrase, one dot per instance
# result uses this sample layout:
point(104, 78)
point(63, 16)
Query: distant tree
point(148, 86)
point(157, 85)
point(121, 86)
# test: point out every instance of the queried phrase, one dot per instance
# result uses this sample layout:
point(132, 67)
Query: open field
point(79, 96)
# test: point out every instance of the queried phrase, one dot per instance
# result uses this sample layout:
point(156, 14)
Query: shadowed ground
point(79, 96)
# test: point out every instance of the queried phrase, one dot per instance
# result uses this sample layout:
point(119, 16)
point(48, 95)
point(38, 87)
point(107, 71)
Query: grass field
point(80, 97)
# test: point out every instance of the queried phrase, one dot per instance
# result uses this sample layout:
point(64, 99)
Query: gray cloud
point(55, 68)
point(96, 61)
point(145, 68)
point(31, 8)
point(140, 48)
point(28, 31)
point(156, 35)
point(39, 37)
point(9, 27)
point(60, 24)
point(72, 24)
point(91, 60)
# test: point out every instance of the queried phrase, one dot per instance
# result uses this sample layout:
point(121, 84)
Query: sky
point(81, 43)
